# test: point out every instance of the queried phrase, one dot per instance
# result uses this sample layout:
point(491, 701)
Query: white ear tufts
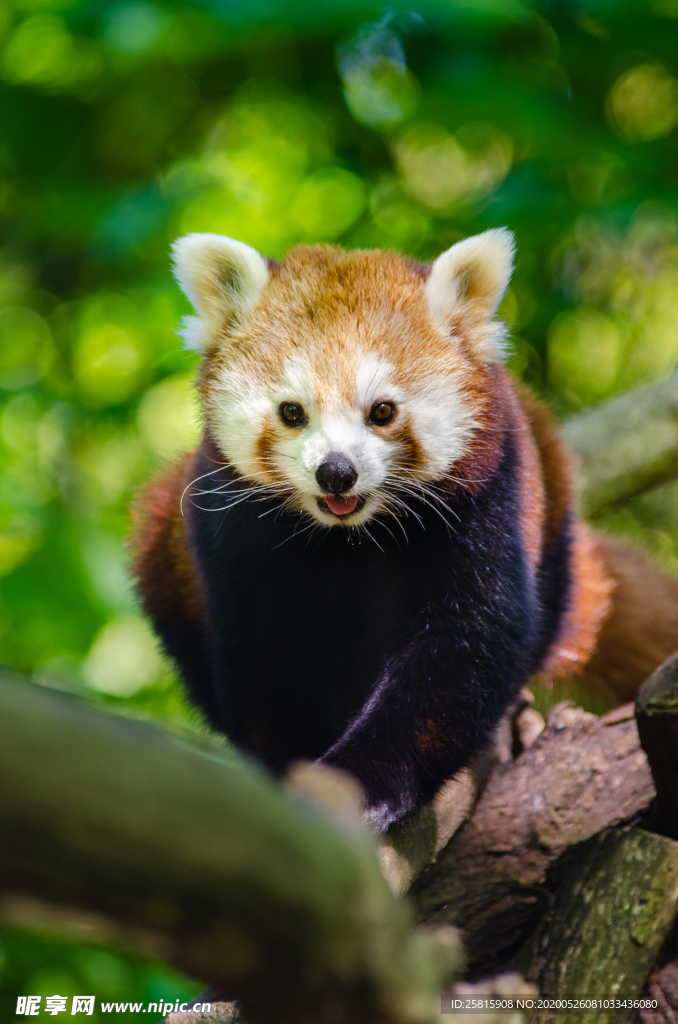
point(468, 281)
point(223, 279)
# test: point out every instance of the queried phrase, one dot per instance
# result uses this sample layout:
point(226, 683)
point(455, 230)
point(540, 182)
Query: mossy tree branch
point(204, 862)
point(615, 902)
point(627, 445)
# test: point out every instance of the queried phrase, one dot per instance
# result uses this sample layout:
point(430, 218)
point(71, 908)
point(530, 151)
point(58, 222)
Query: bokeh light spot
point(26, 348)
point(41, 52)
point(14, 549)
point(327, 203)
point(169, 416)
point(109, 363)
point(382, 93)
point(434, 166)
point(584, 352)
point(643, 102)
point(134, 28)
point(124, 657)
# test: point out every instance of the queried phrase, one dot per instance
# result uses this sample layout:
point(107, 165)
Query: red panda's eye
point(382, 413)
point(292, 414)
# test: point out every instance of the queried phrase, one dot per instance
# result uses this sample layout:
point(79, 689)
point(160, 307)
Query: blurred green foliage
point(129, 122)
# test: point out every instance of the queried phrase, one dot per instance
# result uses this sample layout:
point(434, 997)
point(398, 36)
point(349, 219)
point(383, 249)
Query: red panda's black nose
point(336, 474)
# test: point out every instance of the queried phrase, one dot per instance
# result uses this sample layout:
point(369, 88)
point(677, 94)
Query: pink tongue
point(340, 506)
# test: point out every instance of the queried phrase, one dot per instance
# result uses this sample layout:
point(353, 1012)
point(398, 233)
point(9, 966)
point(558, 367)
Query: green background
point(125, 124)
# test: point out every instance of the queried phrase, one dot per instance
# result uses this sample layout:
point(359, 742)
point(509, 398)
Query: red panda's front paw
point(391, 789)
point(384, 814)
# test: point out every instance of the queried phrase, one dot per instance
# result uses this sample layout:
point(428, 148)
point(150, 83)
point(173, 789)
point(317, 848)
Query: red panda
point(375, 546)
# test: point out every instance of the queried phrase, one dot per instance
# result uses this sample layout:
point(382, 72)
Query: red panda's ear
point(222, 278)
point(465, 285)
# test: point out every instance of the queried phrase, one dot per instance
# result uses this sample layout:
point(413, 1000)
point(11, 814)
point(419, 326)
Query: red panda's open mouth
point(339, 505)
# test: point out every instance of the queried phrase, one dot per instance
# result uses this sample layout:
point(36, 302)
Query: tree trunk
point(615, 903)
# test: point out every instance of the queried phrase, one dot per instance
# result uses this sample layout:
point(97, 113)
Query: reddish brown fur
point(623, 615)
point(553, 456)
point(546, 487)
point(430, 736)
point(168, 582)
point(532, 488)
point(641, 629)
point(319, 298)
point(488, 390)
point(412, 457)
point(265, 449)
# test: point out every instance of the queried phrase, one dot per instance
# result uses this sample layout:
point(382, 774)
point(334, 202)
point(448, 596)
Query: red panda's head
point(349, 382)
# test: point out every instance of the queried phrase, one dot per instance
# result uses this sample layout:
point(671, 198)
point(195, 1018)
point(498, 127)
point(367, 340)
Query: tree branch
point(582, 775)
point(614, 906)
point(627, 445)
point(202, 861)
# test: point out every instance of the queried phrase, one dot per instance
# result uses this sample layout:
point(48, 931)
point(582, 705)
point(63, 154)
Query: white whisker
point(297, 533)
point(399, 502)
point(389, 511)
point(222, 508)
point(195, 481)
point(371, 536)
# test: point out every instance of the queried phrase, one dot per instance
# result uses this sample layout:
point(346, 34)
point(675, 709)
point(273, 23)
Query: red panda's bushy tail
point(641, 628)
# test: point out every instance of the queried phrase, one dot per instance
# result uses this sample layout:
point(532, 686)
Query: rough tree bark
point(614, 905)
point(582, 775)
point(553, 875)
